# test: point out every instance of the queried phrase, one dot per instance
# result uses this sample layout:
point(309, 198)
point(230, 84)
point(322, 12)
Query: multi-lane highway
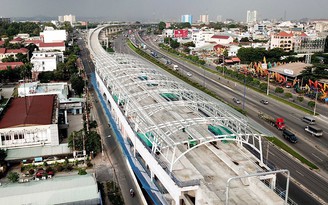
point(309, 179)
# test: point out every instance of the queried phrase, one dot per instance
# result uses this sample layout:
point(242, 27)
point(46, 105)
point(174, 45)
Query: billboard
point(181, 33)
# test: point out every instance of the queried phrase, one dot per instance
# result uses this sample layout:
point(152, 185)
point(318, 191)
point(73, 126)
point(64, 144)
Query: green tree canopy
point(161, 26)
point(77, 84)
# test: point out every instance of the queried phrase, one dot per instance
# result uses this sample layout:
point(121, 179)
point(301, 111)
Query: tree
point(3, 155)
point(244, 39)
point(174, 44)
point(92, 141)
point(77, 84)
point(161, 26)
point(13, 177)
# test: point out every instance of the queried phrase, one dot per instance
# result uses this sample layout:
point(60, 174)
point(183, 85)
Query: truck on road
point(279, 123)
point(175, 67)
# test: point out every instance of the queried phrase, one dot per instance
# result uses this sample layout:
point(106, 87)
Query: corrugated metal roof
point(34, 110)
point(58, 190)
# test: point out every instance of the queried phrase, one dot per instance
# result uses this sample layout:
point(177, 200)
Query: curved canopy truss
point(166, 113)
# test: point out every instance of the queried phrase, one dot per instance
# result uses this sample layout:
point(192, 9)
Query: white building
point(59, 46)
point(67, 18)
point(282, 40)
point(251, 17)
point(186, 18)
point(220, 39)
point(50, 35)
point(203, 19)
point(202, 36)
point(29, 122)
point(46, 61)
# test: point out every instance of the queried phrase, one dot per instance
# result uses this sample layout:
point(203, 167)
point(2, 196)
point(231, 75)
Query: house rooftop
point(32, 110)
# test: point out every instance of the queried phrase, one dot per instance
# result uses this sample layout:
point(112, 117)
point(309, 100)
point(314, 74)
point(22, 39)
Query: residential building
point(67, 18)
point(203, 19)
point(16, 40)
point(309, 44)
point(50, 35)
point(23, 35)
point(219, 18)
point(58, 46)
point(61, 89)
point(29, 122)
point(282, 40)
point(186, 18)
point(251, 17)
point(321, 25)
point(12, 65)
point(168, 33)
point(4, 53)
point(220, 39)
point(45, 61)
point(4, 20)
point(201, 36)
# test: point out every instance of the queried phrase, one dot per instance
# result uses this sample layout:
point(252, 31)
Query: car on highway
point(265, 102)
point(288, 135)
point(236, 100)
point(189, 74)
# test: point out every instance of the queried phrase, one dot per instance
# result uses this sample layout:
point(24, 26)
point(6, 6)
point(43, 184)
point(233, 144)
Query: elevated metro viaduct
point(182, 144)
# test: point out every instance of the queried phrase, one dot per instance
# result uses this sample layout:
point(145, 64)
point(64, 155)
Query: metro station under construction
point(184, 146)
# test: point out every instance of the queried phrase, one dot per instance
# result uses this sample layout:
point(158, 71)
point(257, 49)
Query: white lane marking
point(317, 156)
point(299, 173)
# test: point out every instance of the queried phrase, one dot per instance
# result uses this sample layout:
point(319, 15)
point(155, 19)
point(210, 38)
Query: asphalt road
point(110, 144)
point(303, 175)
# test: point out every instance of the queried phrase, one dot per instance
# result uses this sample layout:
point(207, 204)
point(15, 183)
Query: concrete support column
point(65, 113)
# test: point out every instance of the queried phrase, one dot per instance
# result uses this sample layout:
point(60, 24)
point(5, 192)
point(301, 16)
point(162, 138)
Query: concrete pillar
point(65, 113)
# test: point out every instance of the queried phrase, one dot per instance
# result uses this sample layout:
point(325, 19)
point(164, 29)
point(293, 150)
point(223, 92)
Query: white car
point(189, 74)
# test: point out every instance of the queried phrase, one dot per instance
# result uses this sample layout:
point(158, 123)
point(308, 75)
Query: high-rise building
point(186, 18)
point(69, 18)
point(251, 16)
point(203, 19)
point(219, 18)
point(4, 20)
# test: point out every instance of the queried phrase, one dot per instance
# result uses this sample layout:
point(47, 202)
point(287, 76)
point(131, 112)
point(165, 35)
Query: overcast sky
point(155, 10)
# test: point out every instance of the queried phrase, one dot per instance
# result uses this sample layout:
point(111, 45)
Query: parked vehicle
point(309, 120)
point(236, 100)
point(288, 135)
point(314, 131)
point(265, 102)
point(279, 123)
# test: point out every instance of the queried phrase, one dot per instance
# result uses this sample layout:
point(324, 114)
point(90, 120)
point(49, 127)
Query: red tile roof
point(228, 61)
point(236, 59)
point(285, 34)
point(219, 46)
point(36, 42)
point(59, 44)
point(21, 50)
point(2, 42)
point(303, 34)
point(3, 66)
point(2, 50)
point(39, 111)
point(220, 37)
point(18, 39)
